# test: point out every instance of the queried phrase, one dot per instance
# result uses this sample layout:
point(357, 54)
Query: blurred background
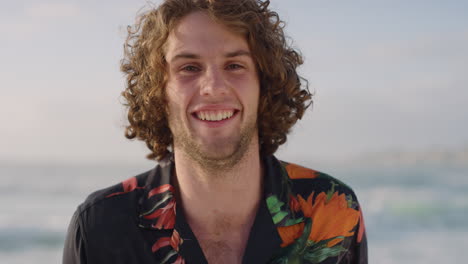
point(389, 118)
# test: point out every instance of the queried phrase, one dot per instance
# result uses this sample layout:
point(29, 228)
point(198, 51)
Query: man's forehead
point(197, 34)
point(200, 45)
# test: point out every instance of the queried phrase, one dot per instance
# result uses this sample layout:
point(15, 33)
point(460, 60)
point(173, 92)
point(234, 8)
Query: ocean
point(414, 213)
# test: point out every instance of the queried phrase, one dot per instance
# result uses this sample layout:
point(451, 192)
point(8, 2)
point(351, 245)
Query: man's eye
point(234, 66)
point(190, 68)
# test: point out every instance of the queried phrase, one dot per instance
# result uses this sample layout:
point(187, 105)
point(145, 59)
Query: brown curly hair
point(283, 99)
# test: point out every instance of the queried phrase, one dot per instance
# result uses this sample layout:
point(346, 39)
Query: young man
point(212, 88)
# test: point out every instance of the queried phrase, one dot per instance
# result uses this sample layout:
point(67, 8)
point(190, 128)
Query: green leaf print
point(274, 205)
point(279, 217)
point(290, 222)
point(331, 191)
point(168, 256)
point(316, 256)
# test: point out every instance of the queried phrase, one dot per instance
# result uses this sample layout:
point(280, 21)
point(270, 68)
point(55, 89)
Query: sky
point(387, 75)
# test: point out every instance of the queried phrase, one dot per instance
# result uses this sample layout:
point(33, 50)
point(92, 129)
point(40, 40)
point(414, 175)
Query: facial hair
point(221, 155)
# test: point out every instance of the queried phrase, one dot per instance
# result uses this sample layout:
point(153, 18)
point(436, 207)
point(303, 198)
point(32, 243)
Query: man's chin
point(220, 155)
point(220, 152)
point(216, 152)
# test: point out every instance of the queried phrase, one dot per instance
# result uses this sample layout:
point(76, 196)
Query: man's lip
point(217, 123)
point(215, 108)
point(234, 112)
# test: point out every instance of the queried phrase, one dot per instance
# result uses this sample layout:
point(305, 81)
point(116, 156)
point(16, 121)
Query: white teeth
point(214, 115)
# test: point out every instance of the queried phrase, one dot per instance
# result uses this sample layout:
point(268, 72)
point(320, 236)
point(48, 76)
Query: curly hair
point(284, 95)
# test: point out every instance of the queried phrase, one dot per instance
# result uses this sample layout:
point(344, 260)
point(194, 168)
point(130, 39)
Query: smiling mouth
point(214, 115)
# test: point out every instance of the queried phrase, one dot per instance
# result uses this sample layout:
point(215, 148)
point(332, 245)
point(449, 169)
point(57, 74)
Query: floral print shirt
point(305, 217)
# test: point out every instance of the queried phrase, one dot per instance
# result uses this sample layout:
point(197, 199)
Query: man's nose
point(213, 83)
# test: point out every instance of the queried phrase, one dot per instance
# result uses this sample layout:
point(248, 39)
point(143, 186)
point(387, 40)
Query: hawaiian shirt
point(305, 216)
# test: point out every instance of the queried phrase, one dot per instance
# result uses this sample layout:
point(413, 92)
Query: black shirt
point(305, 217)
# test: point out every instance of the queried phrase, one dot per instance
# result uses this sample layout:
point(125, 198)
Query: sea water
point(413, 213)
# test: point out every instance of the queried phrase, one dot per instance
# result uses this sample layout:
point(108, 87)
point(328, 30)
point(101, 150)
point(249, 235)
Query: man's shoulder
point(305, 181)
point(118, 197)
point(107, 216)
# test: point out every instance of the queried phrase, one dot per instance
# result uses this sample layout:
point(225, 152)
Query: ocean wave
point(397, 209)
point(429, 247)
point(14, 239)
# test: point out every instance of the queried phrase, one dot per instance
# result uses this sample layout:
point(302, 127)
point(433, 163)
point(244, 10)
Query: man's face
point(212, 91)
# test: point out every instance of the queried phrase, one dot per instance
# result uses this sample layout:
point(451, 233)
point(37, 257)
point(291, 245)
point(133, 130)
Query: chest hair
point(219, 252)
point(221, 243)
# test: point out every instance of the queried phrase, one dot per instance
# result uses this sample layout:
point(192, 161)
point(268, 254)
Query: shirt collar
point(158, 211)
point(158, 200)
point(157, 206)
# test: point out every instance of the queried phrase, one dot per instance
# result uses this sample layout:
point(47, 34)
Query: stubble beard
point(220, 156)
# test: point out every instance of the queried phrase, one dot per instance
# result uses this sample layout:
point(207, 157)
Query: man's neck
point(209, 196)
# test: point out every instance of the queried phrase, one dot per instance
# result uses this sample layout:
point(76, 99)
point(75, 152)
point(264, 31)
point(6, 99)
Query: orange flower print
point(179, 260)
point(294, 204)
point(129, 185)
point(166, 214)
point(162, 242)
point(330, 218)
point(298, 172)
point(176, 240)
point(289, 234)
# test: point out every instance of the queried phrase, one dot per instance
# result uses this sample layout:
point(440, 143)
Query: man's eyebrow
point(237, 53)
point(185, 55)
